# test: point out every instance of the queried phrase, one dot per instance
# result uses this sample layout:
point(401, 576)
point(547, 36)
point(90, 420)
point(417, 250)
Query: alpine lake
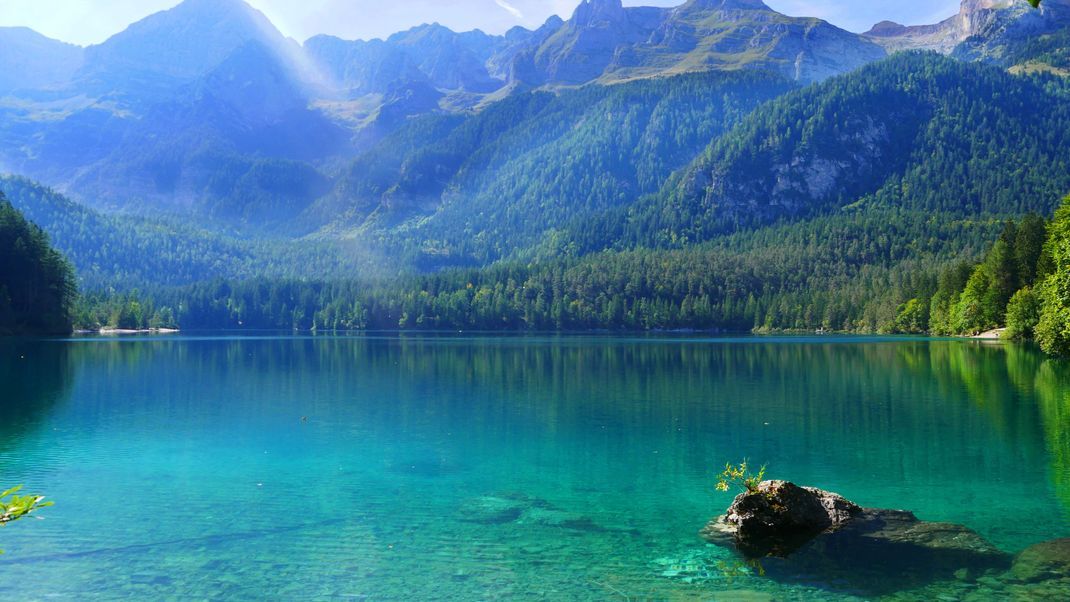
point(459, 467)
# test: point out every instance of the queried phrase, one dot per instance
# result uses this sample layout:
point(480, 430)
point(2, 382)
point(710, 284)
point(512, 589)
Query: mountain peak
point(182, 43)
point(727, 5)
point(887, 28)
point(595, 11)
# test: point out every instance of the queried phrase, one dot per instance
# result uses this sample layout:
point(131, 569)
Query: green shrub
point(740, 476)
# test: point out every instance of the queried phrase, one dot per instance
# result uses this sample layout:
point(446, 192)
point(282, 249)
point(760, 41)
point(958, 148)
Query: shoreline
point(125, 331)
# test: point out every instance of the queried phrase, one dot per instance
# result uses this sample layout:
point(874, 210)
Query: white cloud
point(512, 10)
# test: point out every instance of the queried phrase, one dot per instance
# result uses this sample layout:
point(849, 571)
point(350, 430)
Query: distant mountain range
point(206, 110)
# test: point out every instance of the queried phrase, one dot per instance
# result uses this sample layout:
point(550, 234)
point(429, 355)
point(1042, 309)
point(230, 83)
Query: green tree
point(1023, 314)
point(912, 317)
point(37, 285)
point(1053, 330)
point(1029, 242)
point(971, 314)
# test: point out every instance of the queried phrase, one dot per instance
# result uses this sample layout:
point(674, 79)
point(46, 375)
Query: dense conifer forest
point(37, 285)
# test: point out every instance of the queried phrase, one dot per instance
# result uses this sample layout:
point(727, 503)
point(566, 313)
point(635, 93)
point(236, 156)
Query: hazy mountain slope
point(30, 61)
point(149, 59)
point(128, 252)
point(182, 111)
point(917, 131)
point(192, 152)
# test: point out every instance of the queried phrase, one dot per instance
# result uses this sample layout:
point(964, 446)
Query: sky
point(92, 21)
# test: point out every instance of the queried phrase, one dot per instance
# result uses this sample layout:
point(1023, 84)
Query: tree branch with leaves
point(13, 507)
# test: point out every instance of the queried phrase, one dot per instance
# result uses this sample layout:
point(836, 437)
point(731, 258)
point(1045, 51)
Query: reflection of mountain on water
point(35, 376)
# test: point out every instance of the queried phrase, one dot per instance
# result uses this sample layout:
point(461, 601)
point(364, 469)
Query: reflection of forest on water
point(35, 377)
point(826, 396)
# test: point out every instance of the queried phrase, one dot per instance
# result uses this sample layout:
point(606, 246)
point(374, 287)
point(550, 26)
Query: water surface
point(399, 468)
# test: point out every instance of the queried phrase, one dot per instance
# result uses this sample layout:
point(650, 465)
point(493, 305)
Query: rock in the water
point(781, 516)
point(815, 536)
point(1044, 561)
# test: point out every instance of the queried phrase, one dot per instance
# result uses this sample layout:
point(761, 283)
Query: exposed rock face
point(990, 21)
point(1045, 561)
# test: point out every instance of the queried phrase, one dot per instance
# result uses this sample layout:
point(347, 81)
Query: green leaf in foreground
point(13, 507)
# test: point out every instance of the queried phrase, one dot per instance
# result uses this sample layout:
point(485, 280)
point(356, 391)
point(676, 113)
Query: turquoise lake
point(436, 468)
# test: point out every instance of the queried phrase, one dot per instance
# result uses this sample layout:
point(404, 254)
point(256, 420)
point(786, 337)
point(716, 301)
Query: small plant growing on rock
point(740, 476)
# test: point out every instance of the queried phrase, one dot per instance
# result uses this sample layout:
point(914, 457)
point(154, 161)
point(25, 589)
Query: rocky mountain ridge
point(988, 19)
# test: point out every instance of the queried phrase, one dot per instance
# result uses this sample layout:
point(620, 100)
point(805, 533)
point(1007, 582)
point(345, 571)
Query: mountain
point(430, 53)
point(604, 41)
point(917, 132)
point(206, 111)
point(993, 30)
point(181, 112)
point(151, 58)
point(210, 147)
point(30, 61)
point(837, 206)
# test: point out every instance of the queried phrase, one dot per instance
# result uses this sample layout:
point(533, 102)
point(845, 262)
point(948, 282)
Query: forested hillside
point(37, 287)
point(469, 191)
point(917, 132)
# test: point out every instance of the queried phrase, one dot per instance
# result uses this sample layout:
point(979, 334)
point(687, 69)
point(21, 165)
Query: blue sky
point(92, 21)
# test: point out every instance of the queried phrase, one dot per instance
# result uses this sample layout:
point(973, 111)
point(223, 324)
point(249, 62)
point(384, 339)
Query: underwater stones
point(521, 510)
point(1045, 561)
point(518, 508)
point(491, 510)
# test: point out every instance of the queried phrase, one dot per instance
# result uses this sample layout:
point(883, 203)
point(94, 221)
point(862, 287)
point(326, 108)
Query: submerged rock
point(782, 515)
point(521, 509)
point(1045, 561)
point(811, 535)
point(491, 510)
